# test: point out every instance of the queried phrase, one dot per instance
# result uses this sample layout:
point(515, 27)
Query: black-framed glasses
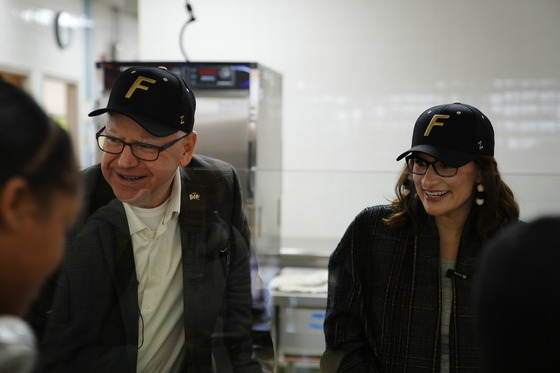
point(419, 166)
point(143, 151)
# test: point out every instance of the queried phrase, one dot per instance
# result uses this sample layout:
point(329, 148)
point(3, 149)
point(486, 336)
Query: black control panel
point(198, 75)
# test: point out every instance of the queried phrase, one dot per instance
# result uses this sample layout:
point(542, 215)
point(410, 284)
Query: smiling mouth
point(436, 194)
point(130, 178)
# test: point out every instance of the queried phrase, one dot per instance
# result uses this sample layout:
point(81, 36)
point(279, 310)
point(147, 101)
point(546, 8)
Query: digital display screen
point(206, 72)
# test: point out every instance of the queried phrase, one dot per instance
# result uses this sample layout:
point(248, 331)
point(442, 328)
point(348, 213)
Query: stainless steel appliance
point(238, 119)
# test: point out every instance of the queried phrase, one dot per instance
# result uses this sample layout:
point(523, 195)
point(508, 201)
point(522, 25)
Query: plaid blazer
point(93, 326)
point(384, 300)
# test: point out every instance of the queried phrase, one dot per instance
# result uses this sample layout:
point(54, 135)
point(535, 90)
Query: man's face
point(142, 183)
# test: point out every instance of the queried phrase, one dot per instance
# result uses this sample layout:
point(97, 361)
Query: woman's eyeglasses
point(419, 166)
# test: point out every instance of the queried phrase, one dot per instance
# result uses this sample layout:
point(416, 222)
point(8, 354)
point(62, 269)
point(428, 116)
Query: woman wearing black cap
point(400, 280)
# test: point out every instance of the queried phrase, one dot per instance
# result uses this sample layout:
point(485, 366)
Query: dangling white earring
point(405, 191)
point(479, 195)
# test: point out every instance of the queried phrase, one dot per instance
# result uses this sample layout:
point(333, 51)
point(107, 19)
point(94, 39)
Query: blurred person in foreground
point(517, 295)
point(157, 273)
point(39, 201)
point(400, 280)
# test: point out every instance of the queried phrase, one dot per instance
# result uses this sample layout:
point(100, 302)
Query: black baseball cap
point(453, 133)
point(159, 100)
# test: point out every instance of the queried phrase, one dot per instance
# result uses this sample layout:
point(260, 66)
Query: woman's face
point(34, 248)
point(447, 197)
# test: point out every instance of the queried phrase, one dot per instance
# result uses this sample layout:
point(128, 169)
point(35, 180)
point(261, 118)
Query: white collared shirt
point(156, 242)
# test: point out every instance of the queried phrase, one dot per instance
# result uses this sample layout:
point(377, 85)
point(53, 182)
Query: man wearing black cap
point(401, 278)
point(156, 277)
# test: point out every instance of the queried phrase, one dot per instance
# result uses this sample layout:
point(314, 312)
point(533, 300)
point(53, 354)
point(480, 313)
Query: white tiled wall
point(357, 73)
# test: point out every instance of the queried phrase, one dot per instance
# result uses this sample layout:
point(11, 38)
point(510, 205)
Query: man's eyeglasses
point(145, 152)
point(419, 166)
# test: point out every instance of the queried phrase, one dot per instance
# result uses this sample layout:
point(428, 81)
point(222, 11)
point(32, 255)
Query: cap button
point(456, 102)
point(162, 67)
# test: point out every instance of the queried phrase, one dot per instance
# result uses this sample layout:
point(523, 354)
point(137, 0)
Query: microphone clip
point(452, 272)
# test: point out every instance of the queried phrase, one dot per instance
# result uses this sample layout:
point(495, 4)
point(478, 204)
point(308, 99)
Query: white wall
point(357, 73)
point(28, 47)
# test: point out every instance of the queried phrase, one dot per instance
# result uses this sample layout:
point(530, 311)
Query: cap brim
point(451, 157)
point(98, 112)
point(154, 127)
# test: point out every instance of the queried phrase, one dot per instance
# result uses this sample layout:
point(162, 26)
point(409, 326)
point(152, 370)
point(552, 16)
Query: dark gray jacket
point(384, 302)
point(93, 326)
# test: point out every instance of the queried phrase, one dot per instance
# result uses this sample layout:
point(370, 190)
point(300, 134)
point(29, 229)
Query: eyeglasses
point(419, 166)
point(145, 152)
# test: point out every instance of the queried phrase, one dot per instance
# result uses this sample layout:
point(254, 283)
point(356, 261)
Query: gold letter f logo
point(434, 122)
point(138, 85)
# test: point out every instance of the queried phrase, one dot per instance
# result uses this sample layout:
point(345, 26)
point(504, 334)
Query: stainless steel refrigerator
point(239, 120)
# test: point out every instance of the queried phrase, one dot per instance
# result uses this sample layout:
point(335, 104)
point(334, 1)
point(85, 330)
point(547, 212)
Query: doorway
point(61, 104)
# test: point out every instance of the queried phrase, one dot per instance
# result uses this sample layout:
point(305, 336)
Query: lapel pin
point(194, 196)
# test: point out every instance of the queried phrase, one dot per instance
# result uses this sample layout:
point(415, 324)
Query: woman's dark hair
point(499, 208)
point(33, 146)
